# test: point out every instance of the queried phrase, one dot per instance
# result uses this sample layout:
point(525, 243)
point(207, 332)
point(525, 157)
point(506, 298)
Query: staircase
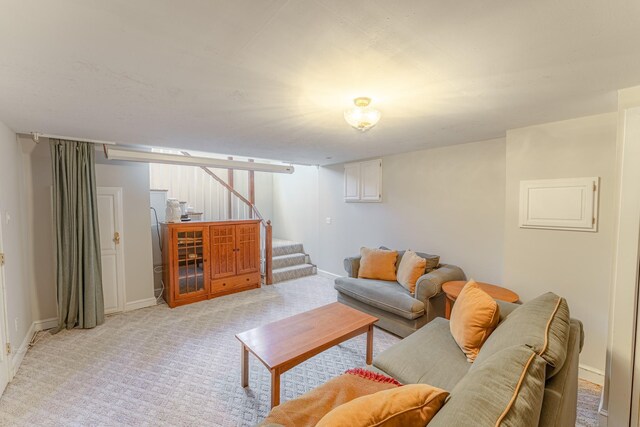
point(290, 262)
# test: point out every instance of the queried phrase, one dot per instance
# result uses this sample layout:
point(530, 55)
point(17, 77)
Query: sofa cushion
point(474, 317)
point(387, 296)
point(433, 261)
point(409, 405)
point(377, 264)
point(308, 409)
point(410, 269)
point(428, 356)
point(506, 390)
point(542, 324)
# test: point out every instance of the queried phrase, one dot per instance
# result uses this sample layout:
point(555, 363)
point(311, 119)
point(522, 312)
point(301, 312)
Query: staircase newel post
point(268, 253)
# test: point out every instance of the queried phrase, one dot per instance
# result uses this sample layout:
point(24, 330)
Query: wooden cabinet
point(203, 260)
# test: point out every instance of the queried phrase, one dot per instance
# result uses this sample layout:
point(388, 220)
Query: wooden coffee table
point(288, 342)
point(452, 290)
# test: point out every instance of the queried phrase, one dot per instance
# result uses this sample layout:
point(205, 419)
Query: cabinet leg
point(245, 367)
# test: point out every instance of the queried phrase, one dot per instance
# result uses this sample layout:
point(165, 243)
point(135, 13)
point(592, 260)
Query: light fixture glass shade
point(362, 117)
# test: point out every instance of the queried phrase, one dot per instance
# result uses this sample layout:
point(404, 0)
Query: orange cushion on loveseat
point(409, 405)
point(474, 316)
point(377, 264)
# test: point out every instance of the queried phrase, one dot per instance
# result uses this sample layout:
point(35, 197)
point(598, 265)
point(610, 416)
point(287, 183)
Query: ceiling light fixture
point(362, 117)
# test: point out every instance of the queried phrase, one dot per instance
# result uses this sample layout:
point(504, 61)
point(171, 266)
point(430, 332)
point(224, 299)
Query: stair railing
point(266, 251)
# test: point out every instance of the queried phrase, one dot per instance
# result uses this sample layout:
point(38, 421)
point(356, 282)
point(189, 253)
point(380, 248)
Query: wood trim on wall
point(252, 190)
point(229, 200)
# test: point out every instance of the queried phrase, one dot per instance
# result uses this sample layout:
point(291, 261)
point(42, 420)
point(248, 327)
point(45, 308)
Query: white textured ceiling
point(271, 78)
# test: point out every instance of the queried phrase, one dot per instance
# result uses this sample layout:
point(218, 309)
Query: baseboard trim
point(17, 354)
point(43, 325)
point(327, 274)
point(603, 414)
point(591, 374)
point(141, 303)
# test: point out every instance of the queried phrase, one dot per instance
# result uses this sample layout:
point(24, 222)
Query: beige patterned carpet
point(180, 367)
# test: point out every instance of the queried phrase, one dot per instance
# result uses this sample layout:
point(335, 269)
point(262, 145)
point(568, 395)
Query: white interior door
point(111, 246)
point(4, 358)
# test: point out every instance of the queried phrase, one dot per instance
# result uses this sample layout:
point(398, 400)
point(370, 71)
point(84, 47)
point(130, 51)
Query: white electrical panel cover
point(560, 204)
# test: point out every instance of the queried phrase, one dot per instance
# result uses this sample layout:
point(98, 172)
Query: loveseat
point(399, 311)
point(525, 375)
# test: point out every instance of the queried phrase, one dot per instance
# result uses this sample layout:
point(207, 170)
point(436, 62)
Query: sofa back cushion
point(506, 390)
point(542, 324)
point(474, 317)
point(377, 264)
point(433, 261)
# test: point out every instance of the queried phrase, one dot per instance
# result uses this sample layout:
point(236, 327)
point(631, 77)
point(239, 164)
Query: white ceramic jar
point(173, 211)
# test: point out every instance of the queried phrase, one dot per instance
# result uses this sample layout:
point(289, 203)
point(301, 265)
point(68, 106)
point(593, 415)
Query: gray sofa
point(525, 375)
point(399, 312)
point(431, 356)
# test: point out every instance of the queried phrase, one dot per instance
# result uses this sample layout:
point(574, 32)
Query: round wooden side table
point(452, 290)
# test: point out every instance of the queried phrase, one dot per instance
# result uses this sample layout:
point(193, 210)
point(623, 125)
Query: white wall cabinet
point(363, 181)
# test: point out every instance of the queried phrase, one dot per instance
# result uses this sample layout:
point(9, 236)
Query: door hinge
point(595, 186)
point(1, 259)
point(8, 348)
point(593, 222)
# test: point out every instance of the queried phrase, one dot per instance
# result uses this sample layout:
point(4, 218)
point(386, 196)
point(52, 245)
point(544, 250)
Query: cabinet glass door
point(191, 248)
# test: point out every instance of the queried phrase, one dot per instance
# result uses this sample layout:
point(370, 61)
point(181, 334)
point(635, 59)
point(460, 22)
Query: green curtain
point(77, 236)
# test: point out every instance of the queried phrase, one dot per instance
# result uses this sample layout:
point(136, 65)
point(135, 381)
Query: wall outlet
point(15, 324)
point(328, 220)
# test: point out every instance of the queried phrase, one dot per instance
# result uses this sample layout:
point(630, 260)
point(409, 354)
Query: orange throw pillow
point(473, 317)
point(410, 269)
point(377, 264)
point(409, 405)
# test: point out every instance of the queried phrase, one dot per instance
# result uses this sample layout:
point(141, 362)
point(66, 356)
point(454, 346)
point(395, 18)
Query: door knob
point(116, 238)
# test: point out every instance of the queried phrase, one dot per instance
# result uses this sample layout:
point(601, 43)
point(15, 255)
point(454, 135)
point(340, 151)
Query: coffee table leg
point(370, 345)
point(447, 307)
point(275, 388)
point(245, 366)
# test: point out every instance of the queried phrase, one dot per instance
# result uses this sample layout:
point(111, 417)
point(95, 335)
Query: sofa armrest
point(352, 265)
point(430, 284)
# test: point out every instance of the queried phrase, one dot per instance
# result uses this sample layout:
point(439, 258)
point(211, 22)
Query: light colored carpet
point(159, 366)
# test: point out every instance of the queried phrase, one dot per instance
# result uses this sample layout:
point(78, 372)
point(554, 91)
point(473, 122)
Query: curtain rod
point(36, 136)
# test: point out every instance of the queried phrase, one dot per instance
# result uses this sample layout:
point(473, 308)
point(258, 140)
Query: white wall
point(447, 201)
point(15, 234)
point(134, 180)
point(575, 265)
point(295, 208)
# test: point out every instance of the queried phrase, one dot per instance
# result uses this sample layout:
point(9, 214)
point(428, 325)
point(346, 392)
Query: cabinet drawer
point(236, 282)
